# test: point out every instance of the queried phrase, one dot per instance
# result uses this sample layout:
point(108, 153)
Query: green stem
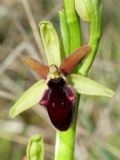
point(65, 141)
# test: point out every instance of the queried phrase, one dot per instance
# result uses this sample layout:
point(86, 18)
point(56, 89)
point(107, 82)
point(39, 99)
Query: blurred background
point(98, 131)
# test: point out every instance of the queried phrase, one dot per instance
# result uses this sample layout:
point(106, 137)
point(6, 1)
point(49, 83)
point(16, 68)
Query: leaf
point(51, 43)
point(35, 148)
point(84, 85)
point(29, 98)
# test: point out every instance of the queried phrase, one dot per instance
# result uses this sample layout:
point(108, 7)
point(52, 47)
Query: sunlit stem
point(65, 141)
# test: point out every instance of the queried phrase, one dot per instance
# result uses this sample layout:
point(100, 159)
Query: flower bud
point(83, 9)
point(87, 9)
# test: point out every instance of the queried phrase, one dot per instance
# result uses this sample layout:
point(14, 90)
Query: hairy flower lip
point(59, 100)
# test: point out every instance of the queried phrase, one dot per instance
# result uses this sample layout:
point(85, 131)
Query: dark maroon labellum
point(59, 100)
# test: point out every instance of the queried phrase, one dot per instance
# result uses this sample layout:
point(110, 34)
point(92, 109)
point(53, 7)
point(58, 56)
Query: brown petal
point(74, 59)
point(41, 69)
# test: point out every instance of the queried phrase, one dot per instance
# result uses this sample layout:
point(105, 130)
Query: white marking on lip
point(53, 104)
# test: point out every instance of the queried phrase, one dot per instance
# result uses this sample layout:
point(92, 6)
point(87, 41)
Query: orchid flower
point(60, 84)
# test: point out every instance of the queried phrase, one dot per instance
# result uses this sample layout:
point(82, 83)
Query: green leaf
point(29, 98)
point(84, 85)
point(50, 42)
point(35, 148)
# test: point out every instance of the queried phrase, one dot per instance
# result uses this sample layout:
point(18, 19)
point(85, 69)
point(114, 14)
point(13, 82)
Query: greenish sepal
point(84, 85)
point(29, 98)
point(51, 43)
point(35, 148)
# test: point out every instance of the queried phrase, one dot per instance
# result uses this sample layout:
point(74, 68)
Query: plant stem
point(65, 141)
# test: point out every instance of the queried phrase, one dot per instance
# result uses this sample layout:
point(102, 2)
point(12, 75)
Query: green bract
point(65, 32)
point(90, 11)
point(73, 25)
point(51, 43)
point(30, 97)
point(35, 148)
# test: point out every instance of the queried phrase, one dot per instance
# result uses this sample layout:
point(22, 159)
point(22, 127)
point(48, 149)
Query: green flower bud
point(87, 9)
point(83, 9)
point(35, 148)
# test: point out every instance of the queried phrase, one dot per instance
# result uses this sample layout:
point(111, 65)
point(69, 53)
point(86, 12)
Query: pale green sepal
point(29, 98)
point(35, 148)
point(84, 85)
point(51, 43)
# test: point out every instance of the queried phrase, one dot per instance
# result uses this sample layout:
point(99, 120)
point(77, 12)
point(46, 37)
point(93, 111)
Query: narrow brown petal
point(74, 59)
point(41, 69)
